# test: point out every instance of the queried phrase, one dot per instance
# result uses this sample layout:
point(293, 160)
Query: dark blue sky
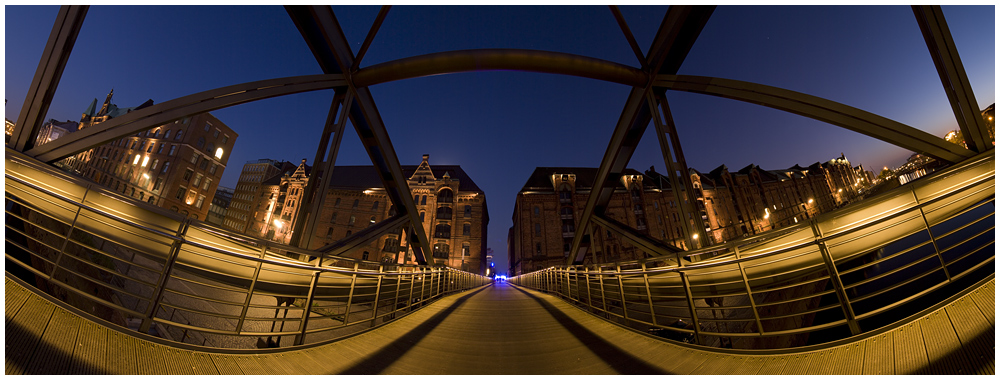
point(500, 125)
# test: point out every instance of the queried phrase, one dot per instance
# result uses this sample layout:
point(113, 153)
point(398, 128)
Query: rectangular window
point(216, 134)
point(225, 139)
point(194, 159)
point(187, 174)
point(166, 164)
point(211, 170)
point(197, 180)
point(180, 193)
point(208, 183)
point(159, 182)
point(201, 201)
point(207, 126)
point(204, 163)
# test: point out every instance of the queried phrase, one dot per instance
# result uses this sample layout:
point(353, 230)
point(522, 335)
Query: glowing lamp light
point(810, 200)
point(218, 153)
point(145, 175)
point(695, 236)
point(277, 223)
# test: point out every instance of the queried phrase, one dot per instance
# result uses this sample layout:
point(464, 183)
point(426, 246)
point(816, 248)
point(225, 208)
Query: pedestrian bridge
point(98, 283)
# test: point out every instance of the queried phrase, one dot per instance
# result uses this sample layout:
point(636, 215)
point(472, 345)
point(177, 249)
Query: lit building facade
point(176, 166)
point(249, 195)
point(730, 204)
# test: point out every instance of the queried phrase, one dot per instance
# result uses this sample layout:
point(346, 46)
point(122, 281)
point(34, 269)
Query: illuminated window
point(136, 160)
point(201, 201)
point(218, 153)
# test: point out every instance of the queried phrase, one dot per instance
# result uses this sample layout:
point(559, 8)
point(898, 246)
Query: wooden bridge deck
point(497, 329)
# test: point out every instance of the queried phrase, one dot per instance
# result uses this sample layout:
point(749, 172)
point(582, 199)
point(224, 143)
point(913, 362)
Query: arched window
point(416, 199)
point(466, 229)
point(465, 249)
point(423, 200)
point(566, 212)
point(444, 213)
point(336, 203)
point(468, 211)
point(391, 245)
point(355, 206)
point(392, 211)
point(421, 216)
point(444, 196)
point(442, 231)
point(565, 195)
point(372, 221)
point(329, 232)
point(351, 221)
point(536, 210)
point(201, 142)
point(375, 206)
point(441, 250)
point(636, 194)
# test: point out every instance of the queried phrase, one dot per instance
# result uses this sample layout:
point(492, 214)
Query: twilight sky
point(499, 126)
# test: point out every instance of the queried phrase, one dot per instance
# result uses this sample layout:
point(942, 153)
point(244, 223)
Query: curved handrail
point(896, 235)
point(146, 263)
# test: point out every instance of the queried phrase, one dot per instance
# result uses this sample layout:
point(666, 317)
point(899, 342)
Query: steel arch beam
point(838, 114)
point(499, 59)
point(323, 35)
point(677, 34)
point(169, 111)
point(956, 83)
point(67, 26)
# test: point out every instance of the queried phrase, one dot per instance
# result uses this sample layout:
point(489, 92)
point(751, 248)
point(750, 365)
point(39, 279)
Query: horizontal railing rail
point(834, 276)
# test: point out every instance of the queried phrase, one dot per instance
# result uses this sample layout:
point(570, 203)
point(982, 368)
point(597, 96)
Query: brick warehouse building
point(177, 166)
point(453, 210)
point(731, 205)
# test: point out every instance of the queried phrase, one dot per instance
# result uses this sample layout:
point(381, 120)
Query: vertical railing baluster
point(350, 295)
point(253, 284)
point(746, 285)
point(649, 295)
point(378, 293)
point(161, 282)
point(931, 234)
point(690, 300)
point(300, 338)
point(72, 227)
point(621, 290)
point(413, 283)
point(586, 278)
point(604, 298)
point(838, 286)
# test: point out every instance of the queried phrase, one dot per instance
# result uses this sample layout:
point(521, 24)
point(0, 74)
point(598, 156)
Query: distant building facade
point(217, 210)
point(453, 210)
point(176, 166)
point(730, 204)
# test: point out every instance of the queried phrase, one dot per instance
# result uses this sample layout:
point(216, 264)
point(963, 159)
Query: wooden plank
point(772, 365)
point(985, 298)
point(910, 356)
point(90, 350)
point(203, 364)
point(152, 358)
point(976, 334)
point(24, 332)
point(798, 364)
point(14, 297)
point(226, 364)
point(879, 355)
point(944, 350)
point(121, 354)
point(53, 354)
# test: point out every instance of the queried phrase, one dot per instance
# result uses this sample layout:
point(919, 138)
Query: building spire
point(107, 102)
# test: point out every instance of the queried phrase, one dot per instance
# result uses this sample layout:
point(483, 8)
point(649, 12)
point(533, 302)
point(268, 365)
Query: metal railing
point(828, 278)
point(158, 272)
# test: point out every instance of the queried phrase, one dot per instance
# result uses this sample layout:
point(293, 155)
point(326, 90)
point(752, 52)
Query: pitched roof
point(366, 177)
point(541, 179)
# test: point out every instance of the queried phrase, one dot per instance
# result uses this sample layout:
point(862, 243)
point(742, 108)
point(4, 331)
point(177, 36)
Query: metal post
point(604, 298)
point(586, 278)
point(621, 291)
point(161, 283)
point(649, 295)
point(253, 283)
point(72, 226)
point(931, 234)
point(378, 292)
point(304, 322)
point(413, 281)
point(350, 295)
point(746, 285)
point(845, 303)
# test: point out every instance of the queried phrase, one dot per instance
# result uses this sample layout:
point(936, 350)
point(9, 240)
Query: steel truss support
point(678, 32)
point(645, 243)
point(838, 114)
point(956, 83)
point(319, 179)
point(146, 118)
point(322, 32)
point(365, 236)
point(69, 20)
point(680, 179)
